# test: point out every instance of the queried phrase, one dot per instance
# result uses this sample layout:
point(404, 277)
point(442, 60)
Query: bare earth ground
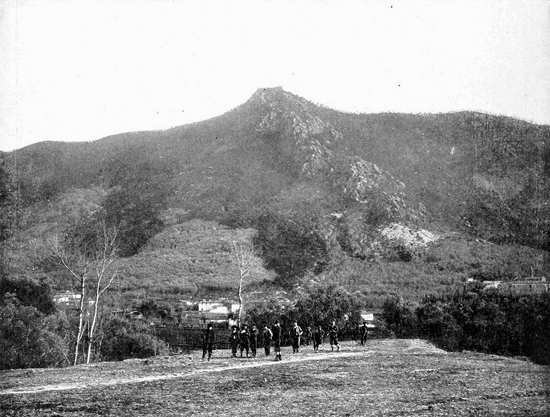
point(388, 377)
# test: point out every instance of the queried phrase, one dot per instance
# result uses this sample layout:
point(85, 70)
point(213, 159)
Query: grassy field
point(388, 377)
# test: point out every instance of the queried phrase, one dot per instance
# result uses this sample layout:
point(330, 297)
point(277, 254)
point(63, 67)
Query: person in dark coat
point(318, 335)
point(244, 340)
point(333, 333)
point(267, 336)
point(208, 341)
point(308, 335)
point(234, 340)
point(277, 333)
point(295, 334)
point(363, 332)
point(253, 340)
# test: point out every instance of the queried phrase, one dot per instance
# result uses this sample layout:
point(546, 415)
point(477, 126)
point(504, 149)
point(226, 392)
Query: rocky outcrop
point(366, 178)
point(411, 237)
point(368, 184)
point(307, 139)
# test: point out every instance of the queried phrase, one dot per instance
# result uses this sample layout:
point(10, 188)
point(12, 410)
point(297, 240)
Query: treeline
point(483, 321)
point(34, 333)
point(317, 306)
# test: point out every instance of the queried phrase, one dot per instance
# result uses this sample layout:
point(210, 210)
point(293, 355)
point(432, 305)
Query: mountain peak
point(295, 123)
point(277, 96)
point(268, 92)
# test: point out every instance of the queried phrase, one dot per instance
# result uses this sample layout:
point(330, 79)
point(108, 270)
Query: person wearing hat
point(244, 340)
point(363, 332)
point(318, 335)
point(253, 340)
point(277, 333)
point(208, 341)
point(295, 334)
point(267, 336)
point(308, 335)
point(333, 333)
point(234, 340)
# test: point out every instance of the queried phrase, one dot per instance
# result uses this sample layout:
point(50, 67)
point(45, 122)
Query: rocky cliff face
point(312, 143)
point(304, 136)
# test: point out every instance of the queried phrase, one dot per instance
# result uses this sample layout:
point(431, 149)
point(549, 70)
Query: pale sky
point(81, 70)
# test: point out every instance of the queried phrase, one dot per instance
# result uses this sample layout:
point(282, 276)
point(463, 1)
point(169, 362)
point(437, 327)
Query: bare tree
point(243, 255)
point(95, 251)
point(104, 276)
point(75, 263)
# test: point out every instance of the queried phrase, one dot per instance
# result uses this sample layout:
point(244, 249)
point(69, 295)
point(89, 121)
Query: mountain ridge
point(333, 181)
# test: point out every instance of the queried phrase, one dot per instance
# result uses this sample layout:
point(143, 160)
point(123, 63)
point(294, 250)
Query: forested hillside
point(379, 202)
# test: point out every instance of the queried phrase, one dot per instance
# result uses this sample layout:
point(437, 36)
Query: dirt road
point(151, 378)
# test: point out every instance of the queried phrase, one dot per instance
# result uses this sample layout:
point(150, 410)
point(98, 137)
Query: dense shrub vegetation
point(316, 306)
point(290, 247)
point(28, 337)
point(123, 339)
point(34, 334)
point(30, 293)
point(477, 320)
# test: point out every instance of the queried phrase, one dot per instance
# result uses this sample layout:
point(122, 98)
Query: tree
point(75, 263)
point(26, 337)
point(400, 317)
point(123, 338)
point(291, 247)
point(29, 292)
point(243, 255)
point(321, 305)
point(135, 202)
point(88, 251)
point(103, 260)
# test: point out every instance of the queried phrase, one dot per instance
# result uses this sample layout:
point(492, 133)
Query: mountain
point(328, 191)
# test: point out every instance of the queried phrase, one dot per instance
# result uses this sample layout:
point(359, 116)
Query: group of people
point(245, 339)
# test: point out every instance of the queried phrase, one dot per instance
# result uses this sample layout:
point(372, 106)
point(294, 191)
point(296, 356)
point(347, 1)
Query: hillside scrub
point(28, 338)
point(32, 336)
point(319, 187)
point(122, 339)
point(290, 247)
point(477, 320)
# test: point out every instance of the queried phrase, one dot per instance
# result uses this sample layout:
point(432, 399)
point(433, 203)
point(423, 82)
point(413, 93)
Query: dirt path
point(150, 378)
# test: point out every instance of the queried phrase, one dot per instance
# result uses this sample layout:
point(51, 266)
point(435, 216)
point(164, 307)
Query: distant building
point(210, 311)
point(67, 299)
point(368, 317)
point(218, 307)
point(487, 285)
point(187, 304)
point(524, 286)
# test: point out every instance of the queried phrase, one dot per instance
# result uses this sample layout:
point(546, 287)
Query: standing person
point(318, 335)
point(277, 333)
point(234, 340)
point(267, 336)
point(295, 334)
point(244, 340)
point(333, 333)
point(253, 340)
point(308, 335)
point(208, 341)
point(363, 332)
